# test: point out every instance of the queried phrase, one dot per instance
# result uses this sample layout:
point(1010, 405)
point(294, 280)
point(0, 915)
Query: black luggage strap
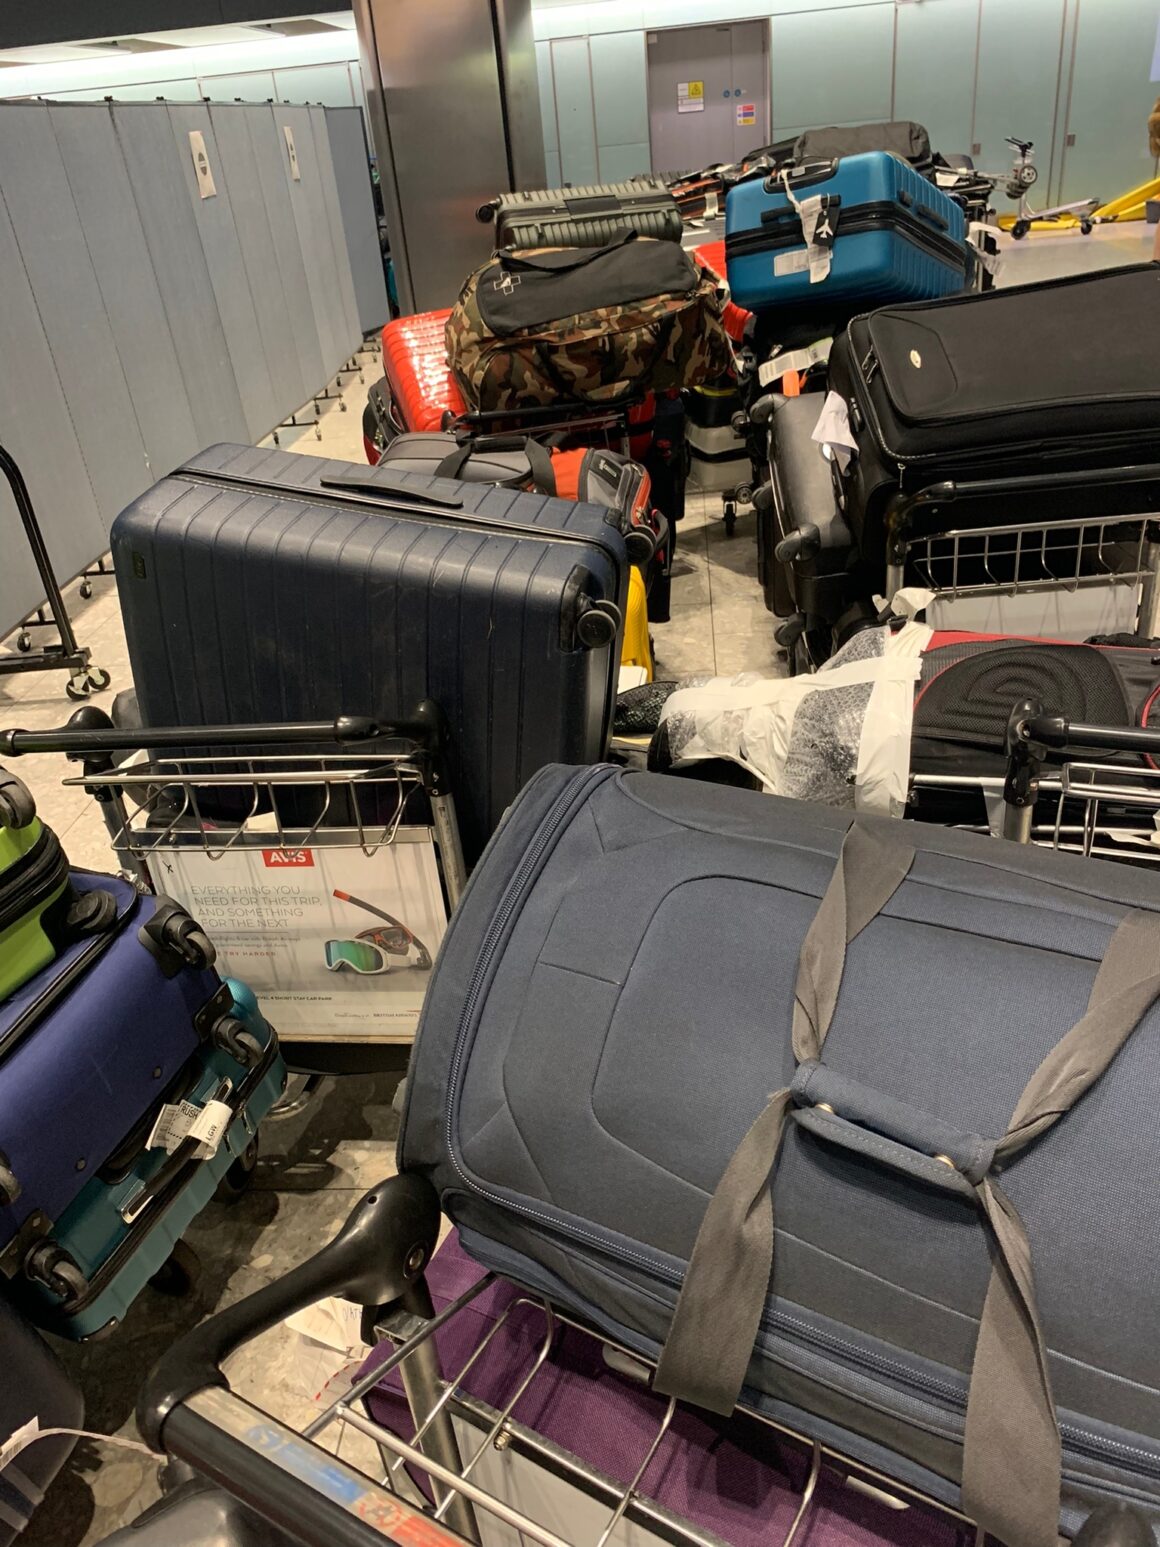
point(540, 469)
point(525, 263)
point(1011, 1472)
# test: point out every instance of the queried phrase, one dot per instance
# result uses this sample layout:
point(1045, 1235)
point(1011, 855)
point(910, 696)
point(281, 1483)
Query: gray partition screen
point(346, 127)
point(149, 311)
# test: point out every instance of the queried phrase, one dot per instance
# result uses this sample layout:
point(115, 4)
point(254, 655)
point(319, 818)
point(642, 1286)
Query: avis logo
point(288, 859)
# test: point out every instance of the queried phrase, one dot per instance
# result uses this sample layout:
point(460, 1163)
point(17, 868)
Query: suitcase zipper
point(927, 1405)
point(884, 215)
point(470, 521)
point(1093, 1446)
point(34, 876)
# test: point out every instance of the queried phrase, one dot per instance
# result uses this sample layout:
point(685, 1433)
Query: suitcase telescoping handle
point(187, 1410)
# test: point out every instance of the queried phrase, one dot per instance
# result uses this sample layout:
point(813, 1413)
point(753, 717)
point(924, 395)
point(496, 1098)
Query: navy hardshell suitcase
point(261, 586)
point(90, 1050)
point(882, 233)
point(961, 1036)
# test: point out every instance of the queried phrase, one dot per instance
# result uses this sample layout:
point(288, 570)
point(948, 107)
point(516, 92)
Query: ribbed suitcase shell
point(278, 600)
point(908, 240)
point(421, 385)
point(612, 1008)
point(588, 215)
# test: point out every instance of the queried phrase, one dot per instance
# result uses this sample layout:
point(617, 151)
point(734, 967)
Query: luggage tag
point(833, 430)
point(818, 217)
point(179, 1121)
point(799, 360)
point(976, 232)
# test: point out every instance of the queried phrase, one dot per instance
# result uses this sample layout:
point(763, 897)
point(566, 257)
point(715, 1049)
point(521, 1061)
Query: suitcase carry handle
point(802, 176)
point(376, 482)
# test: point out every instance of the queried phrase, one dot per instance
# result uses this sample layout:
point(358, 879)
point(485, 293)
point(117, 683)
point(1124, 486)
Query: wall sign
point(205, 182)
point(292, 153)
point(746, 115)
point(690, 96)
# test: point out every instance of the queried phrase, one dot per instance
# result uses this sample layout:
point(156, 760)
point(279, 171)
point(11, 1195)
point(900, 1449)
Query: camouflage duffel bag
point(585, 325)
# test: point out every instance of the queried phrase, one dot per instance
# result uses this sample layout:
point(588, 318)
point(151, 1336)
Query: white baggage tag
point(712, 207)
point(833, 429)
point(16, 1441)
point(209, 1127)
point(793, 360)
point(991, 261)
point(817, 228)
point(183, 1120)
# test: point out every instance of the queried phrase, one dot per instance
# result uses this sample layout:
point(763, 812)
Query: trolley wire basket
point(1105, 808)
point(1019, 558)
point(323, 876)
point(459, 1467)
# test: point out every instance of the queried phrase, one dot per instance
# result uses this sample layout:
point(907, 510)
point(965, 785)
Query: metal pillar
point(453, 102)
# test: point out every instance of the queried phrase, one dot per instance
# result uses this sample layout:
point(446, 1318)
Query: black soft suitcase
point(903, 138)
point(586, 216)
point(262, 586)
point(1053, 384)
point(36, 1390)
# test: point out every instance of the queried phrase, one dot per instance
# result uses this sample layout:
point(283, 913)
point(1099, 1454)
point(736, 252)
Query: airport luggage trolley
point(435, 1483)
point(250, 834)
point(1070, 554)
point(1102, 802)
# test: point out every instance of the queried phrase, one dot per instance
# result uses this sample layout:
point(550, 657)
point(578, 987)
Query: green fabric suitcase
point(39, 911)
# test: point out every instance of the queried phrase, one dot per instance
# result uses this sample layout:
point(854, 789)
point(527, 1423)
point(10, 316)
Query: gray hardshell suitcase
point(586, 216)
point(639, 962)
point(260, 586)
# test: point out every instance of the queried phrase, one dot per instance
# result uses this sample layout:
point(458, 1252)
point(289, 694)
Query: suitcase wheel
point(50, 1265)
point(83, 683)
point(231, 1036)
point(179, 1272)
point(234, 1183)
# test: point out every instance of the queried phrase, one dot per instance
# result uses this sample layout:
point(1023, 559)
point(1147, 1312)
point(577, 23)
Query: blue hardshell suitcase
point(90, 1049)
point(891, 235)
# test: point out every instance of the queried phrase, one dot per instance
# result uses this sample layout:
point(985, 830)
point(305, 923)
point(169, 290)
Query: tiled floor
point(314, 1166)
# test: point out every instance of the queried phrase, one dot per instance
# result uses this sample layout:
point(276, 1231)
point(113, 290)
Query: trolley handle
point(379, 1253)
point(1061, 734)
point(90, 734)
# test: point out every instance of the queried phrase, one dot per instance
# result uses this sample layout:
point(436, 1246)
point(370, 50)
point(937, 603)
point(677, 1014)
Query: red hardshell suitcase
point(422, 387)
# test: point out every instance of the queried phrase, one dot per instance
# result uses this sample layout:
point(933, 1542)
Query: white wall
point(317, 67)
point(973, 71)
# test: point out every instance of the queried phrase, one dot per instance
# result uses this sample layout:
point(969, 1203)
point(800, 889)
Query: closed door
point(708, 94)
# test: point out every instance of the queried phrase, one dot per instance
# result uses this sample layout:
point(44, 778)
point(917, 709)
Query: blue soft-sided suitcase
point(895, 237)
point(638, 963)
point(90, 1049)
